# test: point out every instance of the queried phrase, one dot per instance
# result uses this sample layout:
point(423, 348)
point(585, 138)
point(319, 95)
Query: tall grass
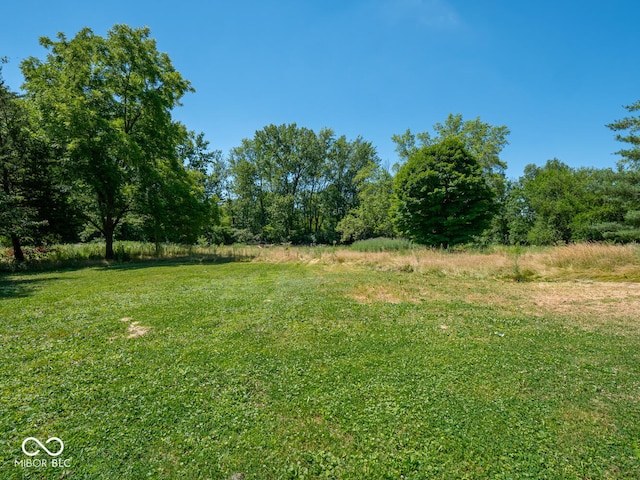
point(382, 244)
point(595, 255)
point(578, 261)
point(92, 254)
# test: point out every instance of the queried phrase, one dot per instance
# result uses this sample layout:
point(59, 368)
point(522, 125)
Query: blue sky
point(554, 71)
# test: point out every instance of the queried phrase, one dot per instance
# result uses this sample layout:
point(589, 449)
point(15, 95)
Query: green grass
point(382, 244)
point(287, 370)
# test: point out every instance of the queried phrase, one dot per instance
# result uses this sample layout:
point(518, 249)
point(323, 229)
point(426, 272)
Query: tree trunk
point(108, 253)
point(108, 228)
point(156, 234)
point(18, 254)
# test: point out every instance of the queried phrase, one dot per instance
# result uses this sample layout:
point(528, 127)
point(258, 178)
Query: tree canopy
point(442, 197)
point(482, 140)
point(108, 102)
point(292, 184)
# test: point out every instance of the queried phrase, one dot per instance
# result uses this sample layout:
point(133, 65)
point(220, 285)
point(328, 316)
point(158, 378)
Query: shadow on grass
point(129, 264)
point(11, 287)
point(20, 284)
point(212, 259)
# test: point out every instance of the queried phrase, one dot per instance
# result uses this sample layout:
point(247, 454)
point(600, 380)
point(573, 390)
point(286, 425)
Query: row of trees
point(558, 204)
point(91, 150)
point(291, 184)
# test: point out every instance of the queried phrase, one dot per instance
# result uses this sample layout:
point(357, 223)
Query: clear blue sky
point(554, 71)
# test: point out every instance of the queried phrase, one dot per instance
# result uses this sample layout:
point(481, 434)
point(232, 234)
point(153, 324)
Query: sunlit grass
point(322, 363)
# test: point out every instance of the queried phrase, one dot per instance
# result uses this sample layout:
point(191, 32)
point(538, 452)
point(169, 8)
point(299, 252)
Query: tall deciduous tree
point(552, 194)
point(34, 204)
point(443, 198)
point(485, 143)
point(482, 140)
point(290, 183)
point(345, 177)
point(561, 204)
point(108, 101)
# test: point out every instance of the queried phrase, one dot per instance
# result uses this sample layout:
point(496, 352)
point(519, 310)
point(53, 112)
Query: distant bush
point(382, 244)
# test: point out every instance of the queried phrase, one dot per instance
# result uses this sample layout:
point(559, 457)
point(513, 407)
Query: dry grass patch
point(134, 330)
point(420, 260)
point(373, 294)
point(595, 261)
point(585, 305)
point(590, 305)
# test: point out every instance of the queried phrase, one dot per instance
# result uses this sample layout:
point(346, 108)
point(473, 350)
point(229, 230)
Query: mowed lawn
point(298, 370)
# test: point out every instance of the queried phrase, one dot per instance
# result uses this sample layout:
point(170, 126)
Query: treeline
point(90, 150)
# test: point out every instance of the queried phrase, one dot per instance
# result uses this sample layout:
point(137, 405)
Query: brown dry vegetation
point(589, 286)
point(589, 261)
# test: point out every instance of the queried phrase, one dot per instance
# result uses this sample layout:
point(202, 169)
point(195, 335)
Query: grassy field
point(326, 363)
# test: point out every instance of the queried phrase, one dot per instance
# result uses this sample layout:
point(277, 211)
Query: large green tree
point(176, 199)
point(485, 142)
point(482, 140)
point(108, 102)
point(34, 205)
point(622, 197)
point(625, 192)
point(343, 162)
point(442, 196)
point(560, 204)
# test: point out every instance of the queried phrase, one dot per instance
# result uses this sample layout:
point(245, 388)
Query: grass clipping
point(135, 330)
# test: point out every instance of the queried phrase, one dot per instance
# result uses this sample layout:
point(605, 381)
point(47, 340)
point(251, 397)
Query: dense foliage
point(289, 183)
point(91, 151)
point(107, 102)
point(442, 197)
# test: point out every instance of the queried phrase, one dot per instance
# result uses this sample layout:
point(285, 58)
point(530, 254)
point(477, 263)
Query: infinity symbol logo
point(37, 451)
